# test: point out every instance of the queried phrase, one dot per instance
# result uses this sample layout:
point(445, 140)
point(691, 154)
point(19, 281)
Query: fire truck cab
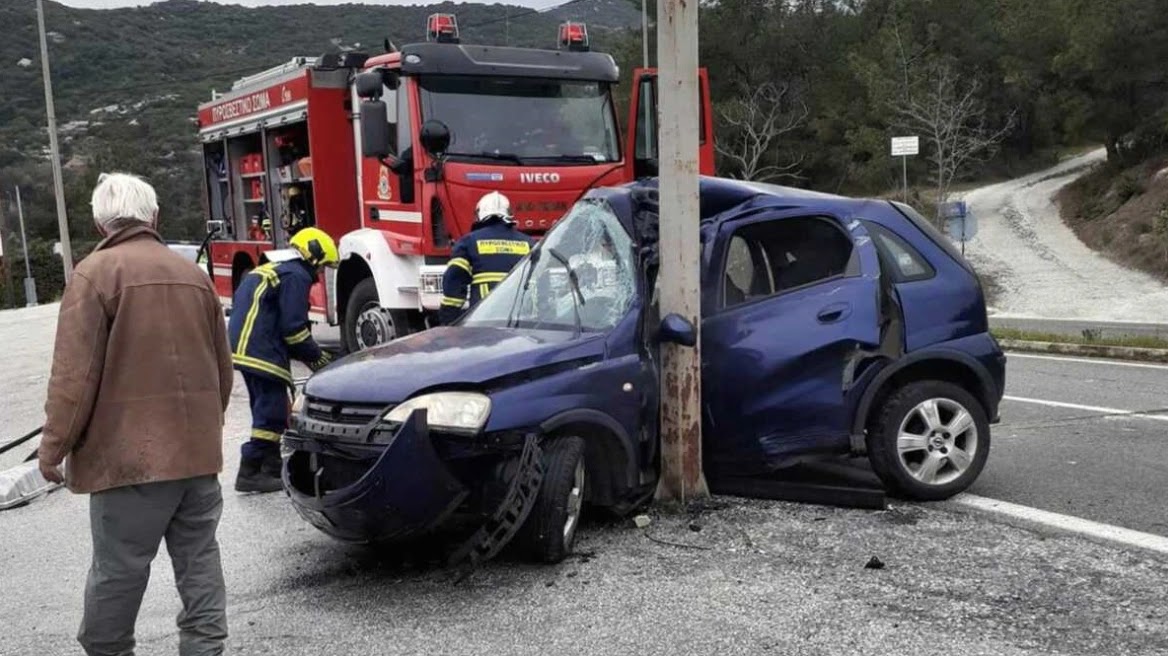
point(390, 153)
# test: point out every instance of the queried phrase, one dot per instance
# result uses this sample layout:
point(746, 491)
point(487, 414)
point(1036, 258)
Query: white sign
point(904, 146)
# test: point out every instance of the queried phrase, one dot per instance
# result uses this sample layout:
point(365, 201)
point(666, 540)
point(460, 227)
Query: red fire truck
point(390, 153)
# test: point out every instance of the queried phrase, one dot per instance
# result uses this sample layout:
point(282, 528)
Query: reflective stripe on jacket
point(481, 260)
point(269, 323)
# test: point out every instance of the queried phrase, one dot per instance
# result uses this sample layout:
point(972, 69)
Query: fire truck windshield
point(518, 121)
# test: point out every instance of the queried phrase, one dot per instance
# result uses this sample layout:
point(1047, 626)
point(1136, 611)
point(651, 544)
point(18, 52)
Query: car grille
point(342, 413)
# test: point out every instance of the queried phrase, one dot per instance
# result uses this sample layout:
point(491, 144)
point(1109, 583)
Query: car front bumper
point(359, 492)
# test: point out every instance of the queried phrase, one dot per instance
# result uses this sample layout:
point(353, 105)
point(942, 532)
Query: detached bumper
point(404, 490)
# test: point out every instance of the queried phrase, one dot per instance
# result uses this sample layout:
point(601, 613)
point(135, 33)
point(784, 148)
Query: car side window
point(771, 257)
point(906, 263)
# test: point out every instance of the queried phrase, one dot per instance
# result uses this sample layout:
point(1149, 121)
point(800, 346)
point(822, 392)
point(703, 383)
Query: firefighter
point(269, 327)
point(483, 257)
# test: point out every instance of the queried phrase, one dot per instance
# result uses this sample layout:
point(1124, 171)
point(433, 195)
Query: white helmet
point(492, 205)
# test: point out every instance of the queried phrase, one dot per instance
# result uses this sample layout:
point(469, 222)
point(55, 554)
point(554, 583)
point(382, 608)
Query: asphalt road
point(739, 577)
point(1086, 462)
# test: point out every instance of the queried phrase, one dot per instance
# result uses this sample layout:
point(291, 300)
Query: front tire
point(367, 324)
point(930, 440)
point(550, 530)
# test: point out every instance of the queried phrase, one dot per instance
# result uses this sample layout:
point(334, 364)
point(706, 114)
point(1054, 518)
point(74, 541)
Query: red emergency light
point(574, 36)
point(442, 28)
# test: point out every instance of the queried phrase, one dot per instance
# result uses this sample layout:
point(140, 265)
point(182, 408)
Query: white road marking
point(1116, 363)
point(1076, 525)
point(1088, 408)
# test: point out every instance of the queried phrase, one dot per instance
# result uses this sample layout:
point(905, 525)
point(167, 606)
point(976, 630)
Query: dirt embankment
point(1122, 213)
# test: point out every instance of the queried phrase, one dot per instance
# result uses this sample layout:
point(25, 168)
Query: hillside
point(127, 81)
point(1123, 213)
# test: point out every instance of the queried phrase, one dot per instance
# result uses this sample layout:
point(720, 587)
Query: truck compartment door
point(642, 127)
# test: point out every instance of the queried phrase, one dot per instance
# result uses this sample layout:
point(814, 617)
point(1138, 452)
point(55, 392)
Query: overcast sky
point(109, 4)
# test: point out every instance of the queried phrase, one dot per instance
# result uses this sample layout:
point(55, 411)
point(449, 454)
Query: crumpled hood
point(393, 372)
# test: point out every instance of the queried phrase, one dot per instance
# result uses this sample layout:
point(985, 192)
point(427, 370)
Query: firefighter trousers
point(270, 408)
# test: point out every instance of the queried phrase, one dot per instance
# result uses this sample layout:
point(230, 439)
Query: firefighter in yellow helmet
point(269, 328)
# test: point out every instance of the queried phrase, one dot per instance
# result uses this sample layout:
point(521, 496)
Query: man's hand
point(325, 359)
point(52, 473)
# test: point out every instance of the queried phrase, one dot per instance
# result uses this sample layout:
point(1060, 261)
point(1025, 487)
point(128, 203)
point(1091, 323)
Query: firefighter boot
point(255, 475)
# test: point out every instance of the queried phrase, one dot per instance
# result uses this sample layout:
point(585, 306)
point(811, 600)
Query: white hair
point(123, 198)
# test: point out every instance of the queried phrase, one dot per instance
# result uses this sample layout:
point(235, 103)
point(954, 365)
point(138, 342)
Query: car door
point(794, 297)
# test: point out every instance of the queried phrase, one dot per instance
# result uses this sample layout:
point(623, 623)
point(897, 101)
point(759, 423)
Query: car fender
point(598, 418)
point(986, 392)
point(395, 275)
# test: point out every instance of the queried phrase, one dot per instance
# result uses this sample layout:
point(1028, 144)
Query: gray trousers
point(128, 524)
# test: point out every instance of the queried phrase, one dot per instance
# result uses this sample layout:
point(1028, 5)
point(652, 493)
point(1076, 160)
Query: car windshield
point(539, 292)
point(520, 119)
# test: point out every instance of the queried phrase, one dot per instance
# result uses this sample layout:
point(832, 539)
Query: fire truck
point(389, 154)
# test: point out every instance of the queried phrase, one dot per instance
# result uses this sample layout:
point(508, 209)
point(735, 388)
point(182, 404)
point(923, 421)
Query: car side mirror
point(374, 130)
point(676, 329)
point(435, 137)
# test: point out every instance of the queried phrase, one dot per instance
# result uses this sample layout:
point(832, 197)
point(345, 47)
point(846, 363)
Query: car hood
point(448, 356)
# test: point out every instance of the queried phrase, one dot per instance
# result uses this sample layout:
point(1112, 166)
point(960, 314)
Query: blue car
point(830, 326)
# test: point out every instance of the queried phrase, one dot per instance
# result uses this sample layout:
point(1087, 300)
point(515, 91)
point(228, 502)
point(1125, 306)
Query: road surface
point(1042, 267)
point(1064, 446)
point(758, 577)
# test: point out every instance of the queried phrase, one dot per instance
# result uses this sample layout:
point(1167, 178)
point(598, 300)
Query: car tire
point(550, 530)
point(367, 323)
point(914, 440)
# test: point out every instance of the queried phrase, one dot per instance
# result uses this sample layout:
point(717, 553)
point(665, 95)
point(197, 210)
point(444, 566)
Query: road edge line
point(1087, 350)
point(1102, 411)
point(1086, 528)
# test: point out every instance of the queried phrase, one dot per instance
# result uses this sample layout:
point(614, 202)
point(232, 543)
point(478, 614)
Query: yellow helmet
point(316, 246)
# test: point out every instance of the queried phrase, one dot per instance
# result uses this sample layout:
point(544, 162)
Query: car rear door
point(794, 299)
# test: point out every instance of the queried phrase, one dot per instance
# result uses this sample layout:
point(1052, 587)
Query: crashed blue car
point(830, 326)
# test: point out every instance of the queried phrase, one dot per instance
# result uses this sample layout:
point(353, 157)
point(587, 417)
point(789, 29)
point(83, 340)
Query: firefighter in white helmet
point(483, 257)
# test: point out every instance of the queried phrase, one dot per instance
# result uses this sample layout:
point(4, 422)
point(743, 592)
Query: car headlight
point(455, 412)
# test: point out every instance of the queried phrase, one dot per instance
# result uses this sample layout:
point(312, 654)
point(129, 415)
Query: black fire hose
point(21, 440)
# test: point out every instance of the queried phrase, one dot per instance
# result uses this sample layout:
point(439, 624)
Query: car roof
point(718, 195)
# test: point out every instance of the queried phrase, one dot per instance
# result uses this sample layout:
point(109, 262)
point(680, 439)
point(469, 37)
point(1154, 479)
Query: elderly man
point(140, 380)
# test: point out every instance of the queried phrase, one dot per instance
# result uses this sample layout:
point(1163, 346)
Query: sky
point(111, 4)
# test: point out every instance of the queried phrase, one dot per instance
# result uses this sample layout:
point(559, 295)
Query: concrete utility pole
point(678, 279)
point(58, 184)
point(30, 296)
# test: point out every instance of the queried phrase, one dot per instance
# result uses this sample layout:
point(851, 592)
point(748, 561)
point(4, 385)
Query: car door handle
point(834, 312)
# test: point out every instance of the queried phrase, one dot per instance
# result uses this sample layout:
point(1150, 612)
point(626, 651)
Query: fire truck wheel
point(368, 324)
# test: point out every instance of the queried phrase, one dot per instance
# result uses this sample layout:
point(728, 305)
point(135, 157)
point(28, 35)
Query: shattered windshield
point(524, 119)
point(589, 245)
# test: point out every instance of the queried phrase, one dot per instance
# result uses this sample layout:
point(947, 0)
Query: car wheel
point(930, 440)
point(367, 324)
point(550, 529)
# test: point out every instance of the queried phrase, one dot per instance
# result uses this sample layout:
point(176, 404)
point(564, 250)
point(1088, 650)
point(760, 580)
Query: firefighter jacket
point(480, 261)
point(269, 324)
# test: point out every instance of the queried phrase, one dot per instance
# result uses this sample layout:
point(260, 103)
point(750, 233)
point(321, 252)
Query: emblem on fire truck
point(285, 94)
point(383, 191)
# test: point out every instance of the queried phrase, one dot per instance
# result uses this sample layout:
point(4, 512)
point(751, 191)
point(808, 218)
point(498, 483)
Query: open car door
point(641, 139)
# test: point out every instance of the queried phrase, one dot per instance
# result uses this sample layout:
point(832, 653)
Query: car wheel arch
point(945, 365)
point(609, 456)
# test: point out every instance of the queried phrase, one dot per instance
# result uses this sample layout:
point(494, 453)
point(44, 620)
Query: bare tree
point(951, 116)
point(753, 125)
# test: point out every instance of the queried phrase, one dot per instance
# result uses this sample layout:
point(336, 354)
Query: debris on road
point(641, 521)
point(874, 563)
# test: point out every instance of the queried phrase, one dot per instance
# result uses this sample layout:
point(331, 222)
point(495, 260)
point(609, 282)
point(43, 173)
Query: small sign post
point(959, 222)
point(903, 147)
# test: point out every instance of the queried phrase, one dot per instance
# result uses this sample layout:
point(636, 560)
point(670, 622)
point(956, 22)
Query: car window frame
point(852, 269)
point(875, 231)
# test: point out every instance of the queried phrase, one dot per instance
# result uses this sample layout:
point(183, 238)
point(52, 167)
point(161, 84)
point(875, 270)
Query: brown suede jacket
point(141, 371)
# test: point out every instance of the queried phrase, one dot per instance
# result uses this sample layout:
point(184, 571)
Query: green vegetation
point(1088, 338)
point(806, 92)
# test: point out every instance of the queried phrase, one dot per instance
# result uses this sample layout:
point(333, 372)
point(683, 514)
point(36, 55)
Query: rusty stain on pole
point(680, 249)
